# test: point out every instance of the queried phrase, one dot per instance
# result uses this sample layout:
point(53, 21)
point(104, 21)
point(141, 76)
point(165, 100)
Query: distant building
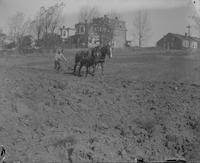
point(120, 30)
point(177, 41)
point(65, 32)
point(2, 40)
point(99, 31)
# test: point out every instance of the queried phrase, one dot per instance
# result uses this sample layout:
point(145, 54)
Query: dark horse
point(92, 57)
point(101, 56)
point(85, 58)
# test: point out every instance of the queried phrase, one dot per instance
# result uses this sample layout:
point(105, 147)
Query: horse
point(92, 57)
point(85, 58)
point(101, 56)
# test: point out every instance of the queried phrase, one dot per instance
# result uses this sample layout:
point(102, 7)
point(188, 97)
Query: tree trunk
point(140, 40)
point(38, 36)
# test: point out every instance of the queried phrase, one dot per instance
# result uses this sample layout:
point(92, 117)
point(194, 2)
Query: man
point(58, 58)
point(139, 159)
point(2, 154)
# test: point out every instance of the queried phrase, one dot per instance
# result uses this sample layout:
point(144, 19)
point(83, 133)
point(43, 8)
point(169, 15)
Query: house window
point(194, 45)
point(82, 29)
point(64, 33)
point(186, 44)
point(95, 29)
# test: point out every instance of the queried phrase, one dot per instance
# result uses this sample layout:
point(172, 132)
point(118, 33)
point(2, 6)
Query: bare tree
point(114, 14)
point(46, 22)
point(196, 20)
point(18, 29)
point(52, 17)
point(142, 27)
point(88, 13)
point(56, 16)
point(37, 25)
point(16, 26)
point(26, 27)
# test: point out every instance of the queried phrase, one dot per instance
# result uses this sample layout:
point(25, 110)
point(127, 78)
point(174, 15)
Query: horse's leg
point(102, 67)
point(75, 68)
point(87, 71)
point(94, 69)
point(55, 65)
point(79, 72)
point(58, 66)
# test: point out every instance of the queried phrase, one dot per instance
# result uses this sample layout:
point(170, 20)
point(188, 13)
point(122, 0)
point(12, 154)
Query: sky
point(165, 15)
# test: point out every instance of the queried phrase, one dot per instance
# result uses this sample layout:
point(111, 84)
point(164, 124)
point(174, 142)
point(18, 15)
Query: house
point(2, 40)
point(99, 31)
point(177, 41)
point(119, 39)
point(65, 32)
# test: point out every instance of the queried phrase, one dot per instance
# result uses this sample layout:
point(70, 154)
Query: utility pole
point(189, 27)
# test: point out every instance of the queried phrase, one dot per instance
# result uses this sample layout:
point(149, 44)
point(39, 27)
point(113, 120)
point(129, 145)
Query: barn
point(178, 42)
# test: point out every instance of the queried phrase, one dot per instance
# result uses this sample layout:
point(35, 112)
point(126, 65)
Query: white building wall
point(185, 43)
point(194, 45)
point(119, 38)
point(191, 44)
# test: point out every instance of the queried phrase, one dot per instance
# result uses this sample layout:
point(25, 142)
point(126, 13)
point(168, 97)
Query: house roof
point(183, 37)
point(196, 39)
point(2, 35)
point(115, 22)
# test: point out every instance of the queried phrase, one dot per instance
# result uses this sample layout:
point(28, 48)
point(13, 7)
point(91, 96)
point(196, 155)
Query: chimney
point(185, 34)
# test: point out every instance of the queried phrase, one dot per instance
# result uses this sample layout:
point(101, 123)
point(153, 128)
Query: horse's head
point(95, 51)
point(102, 51)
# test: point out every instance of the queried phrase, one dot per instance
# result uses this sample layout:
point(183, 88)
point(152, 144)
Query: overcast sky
point(165, 15)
